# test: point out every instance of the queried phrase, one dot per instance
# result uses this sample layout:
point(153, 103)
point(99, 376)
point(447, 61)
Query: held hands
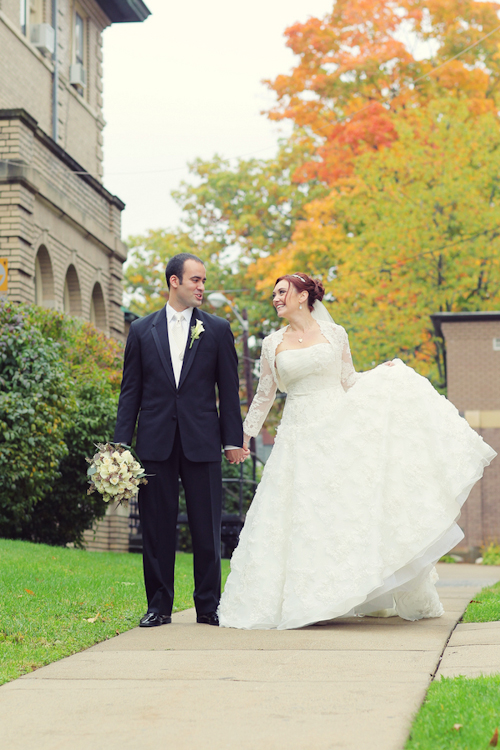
point(391, 363)
point(237, 455)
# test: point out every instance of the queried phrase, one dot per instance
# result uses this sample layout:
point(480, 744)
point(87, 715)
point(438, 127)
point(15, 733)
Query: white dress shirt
point(174, 350)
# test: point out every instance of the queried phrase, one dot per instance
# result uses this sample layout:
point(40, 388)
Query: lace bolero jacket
point(269, 380)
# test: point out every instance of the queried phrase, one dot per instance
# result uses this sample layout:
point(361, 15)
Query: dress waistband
point(335, 389)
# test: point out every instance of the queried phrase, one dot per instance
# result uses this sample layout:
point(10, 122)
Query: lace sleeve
point(263, 399)
point(349, 376)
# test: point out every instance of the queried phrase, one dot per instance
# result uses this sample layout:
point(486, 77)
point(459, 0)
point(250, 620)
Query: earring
point(300, 306)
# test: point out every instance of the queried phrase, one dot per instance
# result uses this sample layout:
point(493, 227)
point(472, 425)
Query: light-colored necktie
point(178, 334)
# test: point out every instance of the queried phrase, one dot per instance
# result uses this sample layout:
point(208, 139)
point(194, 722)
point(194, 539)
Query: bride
point(363, 488)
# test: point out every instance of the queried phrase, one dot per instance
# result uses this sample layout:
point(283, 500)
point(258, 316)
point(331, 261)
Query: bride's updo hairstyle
point(304, 283)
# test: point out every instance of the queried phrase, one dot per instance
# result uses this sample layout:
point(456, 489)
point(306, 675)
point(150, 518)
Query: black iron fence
point(237, 494)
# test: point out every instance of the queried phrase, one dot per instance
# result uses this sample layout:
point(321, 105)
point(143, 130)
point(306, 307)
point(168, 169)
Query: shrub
point(82, 367)
point(491, 554)
point(35, 410)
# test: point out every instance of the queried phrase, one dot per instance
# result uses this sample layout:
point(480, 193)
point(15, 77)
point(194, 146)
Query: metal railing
point(232, 521)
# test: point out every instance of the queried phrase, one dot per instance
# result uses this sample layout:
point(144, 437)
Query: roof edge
point(125, 11)
point(462, 317)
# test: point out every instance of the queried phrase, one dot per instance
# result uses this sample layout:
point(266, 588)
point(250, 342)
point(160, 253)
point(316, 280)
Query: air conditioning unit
point(43, 38)
point(77, 75)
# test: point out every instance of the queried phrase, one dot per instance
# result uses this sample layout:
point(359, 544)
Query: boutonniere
point(196, 332)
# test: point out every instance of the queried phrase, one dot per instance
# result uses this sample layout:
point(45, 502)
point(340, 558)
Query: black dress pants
point(158, 509)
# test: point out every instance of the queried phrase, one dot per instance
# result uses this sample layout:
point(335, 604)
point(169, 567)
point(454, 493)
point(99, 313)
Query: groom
point(174, 359)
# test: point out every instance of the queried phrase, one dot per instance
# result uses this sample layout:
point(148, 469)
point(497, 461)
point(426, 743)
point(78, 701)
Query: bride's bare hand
point(391, 363)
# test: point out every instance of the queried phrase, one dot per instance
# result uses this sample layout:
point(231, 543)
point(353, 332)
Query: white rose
point(104, 472)
point(116, 455)
point(106, 461)
point(114, 479)
point(127, 456)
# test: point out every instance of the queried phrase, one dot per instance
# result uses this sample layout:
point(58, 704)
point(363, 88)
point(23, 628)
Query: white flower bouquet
point(114, 473)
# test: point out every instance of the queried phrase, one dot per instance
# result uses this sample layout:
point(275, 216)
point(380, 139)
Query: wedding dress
point(359, 497)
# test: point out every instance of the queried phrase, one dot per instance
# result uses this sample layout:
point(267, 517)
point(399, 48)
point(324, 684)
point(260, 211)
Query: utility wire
point(392, 264)
point(412, 83)
point(340, 120)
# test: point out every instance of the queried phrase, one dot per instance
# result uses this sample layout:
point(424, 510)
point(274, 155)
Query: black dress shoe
point(211, 618)
point(153, 619)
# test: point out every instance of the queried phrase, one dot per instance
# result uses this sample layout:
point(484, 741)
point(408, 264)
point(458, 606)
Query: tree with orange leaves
point(413, 230)
point(355, 68)
point(387, 100)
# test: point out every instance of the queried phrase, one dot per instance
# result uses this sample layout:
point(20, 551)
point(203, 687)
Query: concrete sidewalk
point(355, 683)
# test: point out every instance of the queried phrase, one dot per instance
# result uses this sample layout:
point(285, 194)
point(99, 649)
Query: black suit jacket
point(149, 391)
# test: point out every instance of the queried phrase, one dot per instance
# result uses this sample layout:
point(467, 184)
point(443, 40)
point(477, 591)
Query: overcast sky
point(187, 83)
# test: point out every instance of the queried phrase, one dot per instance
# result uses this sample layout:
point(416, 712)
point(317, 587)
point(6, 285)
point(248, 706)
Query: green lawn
point(460, 713)
point(56, 601)
point(485, 607)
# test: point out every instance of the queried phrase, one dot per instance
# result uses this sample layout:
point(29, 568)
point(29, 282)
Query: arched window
point(44, 279)
point(98, 308)
point(72, 297)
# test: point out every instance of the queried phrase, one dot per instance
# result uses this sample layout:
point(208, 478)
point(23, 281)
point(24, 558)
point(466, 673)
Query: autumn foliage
point(387, 188)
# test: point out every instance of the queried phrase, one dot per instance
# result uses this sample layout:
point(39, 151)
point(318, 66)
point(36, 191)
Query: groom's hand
point(235, 455)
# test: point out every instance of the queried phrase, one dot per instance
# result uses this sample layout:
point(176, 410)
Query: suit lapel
point(190, 352)
point(159, 331)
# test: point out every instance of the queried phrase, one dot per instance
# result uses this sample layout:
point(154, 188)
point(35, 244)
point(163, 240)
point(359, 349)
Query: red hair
point(304, 283)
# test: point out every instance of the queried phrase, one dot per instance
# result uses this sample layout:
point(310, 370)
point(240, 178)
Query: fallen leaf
point(458, 727)
point(494, 739)
point(28, 591)
point(117, 632)
point(475, 601)
point(93, 619)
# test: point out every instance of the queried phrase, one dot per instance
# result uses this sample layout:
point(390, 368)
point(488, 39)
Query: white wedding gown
point(360, 495)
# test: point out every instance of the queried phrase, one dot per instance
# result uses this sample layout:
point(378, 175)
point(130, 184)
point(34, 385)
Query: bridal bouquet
point(114, 473)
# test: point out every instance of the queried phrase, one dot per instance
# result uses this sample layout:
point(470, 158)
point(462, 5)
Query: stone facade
point(473, 380)
point(110, 534)
point(59, 227)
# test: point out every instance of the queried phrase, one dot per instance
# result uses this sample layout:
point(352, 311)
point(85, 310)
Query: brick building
point(59, 227)
point(473, 379)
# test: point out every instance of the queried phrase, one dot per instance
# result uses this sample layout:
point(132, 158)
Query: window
point(44, 279)
point(30, 13)
point(77, 71)
point(79, 39)
point(23, 18)
point(72, 303)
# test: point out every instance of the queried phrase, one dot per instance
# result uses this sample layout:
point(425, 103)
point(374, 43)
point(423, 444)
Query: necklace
point(301, 339)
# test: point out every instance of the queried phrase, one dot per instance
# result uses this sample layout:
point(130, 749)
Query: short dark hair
point(175, 265)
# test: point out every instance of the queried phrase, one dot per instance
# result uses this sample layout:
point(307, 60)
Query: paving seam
point(244, 650)
point(433, 676)
point(298, 681)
